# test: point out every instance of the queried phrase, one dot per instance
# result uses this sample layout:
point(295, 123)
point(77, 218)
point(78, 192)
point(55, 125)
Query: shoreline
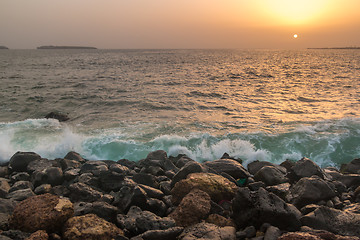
point(163, 197)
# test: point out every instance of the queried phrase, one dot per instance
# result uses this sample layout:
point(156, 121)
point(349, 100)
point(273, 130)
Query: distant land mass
point(336, 48)
point(3, 47)
point(65, 47)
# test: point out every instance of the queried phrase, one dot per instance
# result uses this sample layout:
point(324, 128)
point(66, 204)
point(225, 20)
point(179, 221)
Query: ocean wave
point(329, 143)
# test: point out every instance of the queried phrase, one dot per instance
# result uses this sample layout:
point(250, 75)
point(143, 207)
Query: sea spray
point(329, 143)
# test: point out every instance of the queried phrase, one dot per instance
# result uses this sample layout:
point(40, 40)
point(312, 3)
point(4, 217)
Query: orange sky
point(180, 24)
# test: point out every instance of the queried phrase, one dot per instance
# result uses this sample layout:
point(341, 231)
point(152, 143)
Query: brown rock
point(194, 207)
point(299, 236)
point(38, 235)
point(220, 221)
point(218, 187)
point(43, 212)
point(90, 227)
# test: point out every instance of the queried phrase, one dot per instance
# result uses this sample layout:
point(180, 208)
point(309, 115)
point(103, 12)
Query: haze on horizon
point(123, 24)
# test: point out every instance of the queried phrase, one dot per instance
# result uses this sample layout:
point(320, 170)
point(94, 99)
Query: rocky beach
point(165, 197)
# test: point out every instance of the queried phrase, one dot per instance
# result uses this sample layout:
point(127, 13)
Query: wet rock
point(43, 212)
point(305, 168)
point(281, 190)
point(353, 167)
point(19, 176)
point(130, 194)
point(218, 187)
point(229, 166)
point(146, 179)
point(61, 117)
point(90, 227)
point(67, 164)
point(255, 166)
point(38, 165)
point(21, 194)
point(157, 155)
point(101, 209)
point(137, 221)
point(272, 233)
point(127, 163)
point(167, 234)
point(208, 231)
point(194, 207)
point(256, 208)
point(74, 156)
point(311, 190)
point(51, 175)
point(333, 220)
point(111, 181)
point(270, 176)
point(349, 180)
point(82, 192)
point(20, 160)
point(189, 167)
point(94, 167)
point(38, 235)
point(71, 174)
point(118, 168)
point(42, 189)
point(21, 185)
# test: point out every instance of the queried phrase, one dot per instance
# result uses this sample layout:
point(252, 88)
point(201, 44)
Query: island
point(65, 47)
point(3, 47)
point(336, 48)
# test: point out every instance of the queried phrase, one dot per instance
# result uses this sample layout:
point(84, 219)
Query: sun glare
point(295, 36)
point(295, 11)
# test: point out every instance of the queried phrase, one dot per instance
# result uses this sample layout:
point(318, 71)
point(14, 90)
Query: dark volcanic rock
point(137, 221)
point(189, 167)
point(74, 156)
point(255, 166)
point(311, 190)
point(305, 168)
point(270, 176)
point(208, 231)
point(101, 209)
point(353, 166)
point(59, 116)
point(42, 212)
point(167, 234)
point(229, 166)
point(83, 192)
point(256, 208)
point(20, 160)
point(333, 220)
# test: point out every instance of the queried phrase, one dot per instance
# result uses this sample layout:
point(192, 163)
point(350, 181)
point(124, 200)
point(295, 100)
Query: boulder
point(101, 209)
point(137, 221)
point(256, 165)
point(38, 165)
point(167, 234)
point(4, 187)
point(38, 235)
point(111, 181)
point(20, 194)
point(14, 234)
point(208, 231)
point(90, 227)
point(310, 190)
point(42, 212)
point(50, 175)
point(281, 190)
point(42, 189)
point(229, 166)
point(189, 167)
point(94, 167)
point(353, 166)
point(152, 192)
point(299, 236)
point(20, 160)
point(194, 207)
point(305, 168)
point(272, 233)
point(74, 156)
point(82, 192)
point(7, 205)
point(67, 164)
point(220, 221)
point(146, 179)
point(333, 220)
point(21, 185)
point(218, 187)
point(270, 176)
point(157, 155)
point(258, 207)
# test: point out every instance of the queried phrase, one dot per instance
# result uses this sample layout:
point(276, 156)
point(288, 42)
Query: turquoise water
point(253, 104)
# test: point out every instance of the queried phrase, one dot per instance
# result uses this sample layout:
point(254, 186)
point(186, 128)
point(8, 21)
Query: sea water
point(268, 105)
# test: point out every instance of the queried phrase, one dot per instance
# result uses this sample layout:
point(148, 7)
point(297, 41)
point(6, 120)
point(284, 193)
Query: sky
point(128, 24)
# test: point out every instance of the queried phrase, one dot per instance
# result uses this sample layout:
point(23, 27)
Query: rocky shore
point(163, 197)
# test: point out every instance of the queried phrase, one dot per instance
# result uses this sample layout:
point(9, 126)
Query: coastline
point(163, 197)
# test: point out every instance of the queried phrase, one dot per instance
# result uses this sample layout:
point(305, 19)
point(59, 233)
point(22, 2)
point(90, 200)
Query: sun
point(295, 36)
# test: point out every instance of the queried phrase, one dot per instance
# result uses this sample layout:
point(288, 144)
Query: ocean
point(269, 105)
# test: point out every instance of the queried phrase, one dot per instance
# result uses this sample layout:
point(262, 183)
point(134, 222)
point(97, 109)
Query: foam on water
point(329, 143)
